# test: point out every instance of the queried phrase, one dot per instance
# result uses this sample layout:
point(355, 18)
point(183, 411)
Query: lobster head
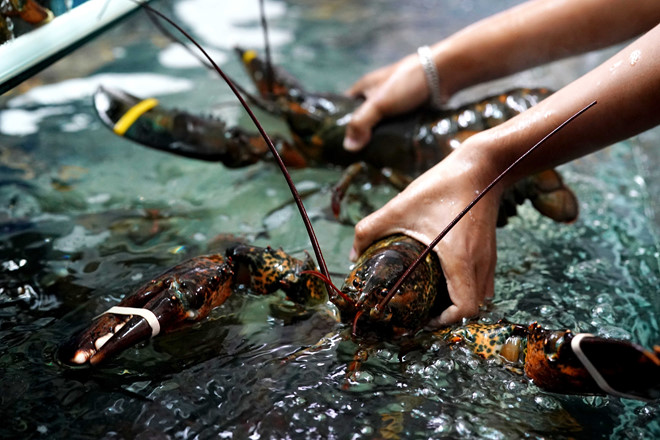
point(423, 294)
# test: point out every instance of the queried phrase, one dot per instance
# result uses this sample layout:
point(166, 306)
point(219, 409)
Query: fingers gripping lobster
point(401, 148)
point(372, 299)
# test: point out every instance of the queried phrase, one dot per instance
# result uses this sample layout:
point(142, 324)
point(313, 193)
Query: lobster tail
point(548, 194)
point(552, 198)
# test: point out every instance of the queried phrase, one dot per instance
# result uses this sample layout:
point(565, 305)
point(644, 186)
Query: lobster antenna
point(456, 219)
point(163, 30)
point(269, 142)
point(269, 64)
point(261, 103)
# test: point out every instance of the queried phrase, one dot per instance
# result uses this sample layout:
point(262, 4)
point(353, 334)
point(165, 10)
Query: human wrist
point(478, 155)
point(439, 88)
point(446, 59)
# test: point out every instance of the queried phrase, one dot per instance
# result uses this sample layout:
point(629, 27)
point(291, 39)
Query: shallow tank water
point(85, 217)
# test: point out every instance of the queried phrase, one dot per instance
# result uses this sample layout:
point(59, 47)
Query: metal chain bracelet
point(432, 77)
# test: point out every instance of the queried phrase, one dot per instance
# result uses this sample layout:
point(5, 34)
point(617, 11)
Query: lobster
point(189, 291)
point(401, 148)
point(28, 11)
point(376, 297)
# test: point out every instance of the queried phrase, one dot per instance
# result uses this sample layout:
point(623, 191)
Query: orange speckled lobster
point(188, 292)
point(374, 298)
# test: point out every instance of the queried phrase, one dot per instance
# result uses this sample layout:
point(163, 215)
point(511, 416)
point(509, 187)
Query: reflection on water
point(85, 217)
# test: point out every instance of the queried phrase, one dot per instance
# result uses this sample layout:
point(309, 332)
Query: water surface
point(85, 217)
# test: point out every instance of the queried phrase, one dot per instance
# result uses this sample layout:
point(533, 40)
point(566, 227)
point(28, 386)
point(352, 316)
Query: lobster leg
point(546, 190)
point(395, 178)
point(187, 293)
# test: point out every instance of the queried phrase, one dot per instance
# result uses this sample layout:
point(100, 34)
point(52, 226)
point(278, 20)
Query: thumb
point(358, 129)
point(368, 230)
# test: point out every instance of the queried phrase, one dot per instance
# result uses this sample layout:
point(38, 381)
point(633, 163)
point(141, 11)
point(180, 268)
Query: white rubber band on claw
point(146, 314)
point(595, 374)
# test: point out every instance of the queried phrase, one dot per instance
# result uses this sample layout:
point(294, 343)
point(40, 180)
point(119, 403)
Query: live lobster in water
point(375, 297)
point(400, 149)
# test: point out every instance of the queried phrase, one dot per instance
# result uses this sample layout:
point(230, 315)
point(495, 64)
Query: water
point(85, 217)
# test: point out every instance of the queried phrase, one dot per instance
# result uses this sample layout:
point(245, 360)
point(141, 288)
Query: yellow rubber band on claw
point(248, 56)
point(133, 113)
point(145, 314)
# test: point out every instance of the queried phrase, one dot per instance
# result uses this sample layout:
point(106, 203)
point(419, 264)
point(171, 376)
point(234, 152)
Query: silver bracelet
point(432, 77)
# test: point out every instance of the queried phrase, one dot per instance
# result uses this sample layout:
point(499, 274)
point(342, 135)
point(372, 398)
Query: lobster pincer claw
point(184, 294)
point(620, 368)
point(563, 362)
point(120, 328)
point(270, 81)
point(148, 123)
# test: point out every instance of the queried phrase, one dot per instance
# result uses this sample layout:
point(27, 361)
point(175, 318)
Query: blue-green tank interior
point(86, 217)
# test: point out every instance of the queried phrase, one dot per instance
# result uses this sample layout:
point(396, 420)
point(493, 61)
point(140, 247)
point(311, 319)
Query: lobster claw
point(122, 327)
point(270, 81)
point(620, 368)
point(186, 293)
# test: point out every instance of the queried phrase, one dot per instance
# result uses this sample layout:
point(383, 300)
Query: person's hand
point(391, 90)
point(468, 252)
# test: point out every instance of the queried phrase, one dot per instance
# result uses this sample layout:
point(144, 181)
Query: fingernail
point(353, 255)
point(351, 144)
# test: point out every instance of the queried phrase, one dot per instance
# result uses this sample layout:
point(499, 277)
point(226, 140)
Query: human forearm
point(627, 88)
point(537, 32)
point(522, 37)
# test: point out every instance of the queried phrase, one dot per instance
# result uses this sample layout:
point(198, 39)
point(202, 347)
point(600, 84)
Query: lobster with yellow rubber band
point(401, 148)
